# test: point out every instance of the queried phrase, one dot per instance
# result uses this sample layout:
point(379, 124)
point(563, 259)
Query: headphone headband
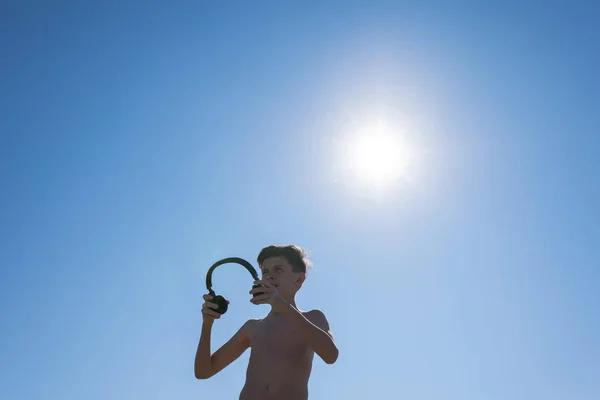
point(235, 260)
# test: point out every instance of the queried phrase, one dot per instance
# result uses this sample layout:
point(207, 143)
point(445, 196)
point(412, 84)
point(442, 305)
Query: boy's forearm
point(317, 338)
point(202, 363)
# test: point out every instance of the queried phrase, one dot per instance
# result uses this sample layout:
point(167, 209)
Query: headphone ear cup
point(221, 304)
point(258, 293)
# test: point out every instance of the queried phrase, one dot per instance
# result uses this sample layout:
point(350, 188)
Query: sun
point(378, 158)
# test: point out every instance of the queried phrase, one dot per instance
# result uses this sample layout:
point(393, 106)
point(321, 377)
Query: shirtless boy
point(282, 344)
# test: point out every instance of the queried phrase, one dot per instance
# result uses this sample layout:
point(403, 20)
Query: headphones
point(218, 299)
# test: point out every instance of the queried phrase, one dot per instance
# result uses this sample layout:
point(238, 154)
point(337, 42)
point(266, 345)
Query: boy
point(282, 344)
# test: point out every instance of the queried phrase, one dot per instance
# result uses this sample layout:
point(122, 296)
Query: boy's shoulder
point(251, 323)
point(317, 317)
point(314, 312)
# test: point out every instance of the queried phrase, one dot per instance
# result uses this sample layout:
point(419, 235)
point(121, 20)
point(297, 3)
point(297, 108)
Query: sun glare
point(378, 158)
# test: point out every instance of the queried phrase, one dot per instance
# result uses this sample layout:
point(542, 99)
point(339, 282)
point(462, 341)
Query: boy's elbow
point(200, 374)
point(332, 358)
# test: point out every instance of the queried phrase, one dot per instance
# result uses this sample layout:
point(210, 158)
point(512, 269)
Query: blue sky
point(139, 143)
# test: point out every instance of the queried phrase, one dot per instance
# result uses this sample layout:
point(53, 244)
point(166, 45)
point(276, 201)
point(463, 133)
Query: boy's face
point(278, 271)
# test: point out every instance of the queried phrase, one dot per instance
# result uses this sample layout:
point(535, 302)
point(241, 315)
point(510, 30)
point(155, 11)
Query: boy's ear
point(300, 280)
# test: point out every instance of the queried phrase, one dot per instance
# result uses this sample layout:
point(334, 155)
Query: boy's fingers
point(207, 297)
point(264, 289)
point(213, 314)
point(262, 297)
point(210, 311)
point(261, 282)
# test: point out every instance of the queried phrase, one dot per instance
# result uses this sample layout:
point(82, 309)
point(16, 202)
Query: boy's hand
point(208, 309)
point(269, 295)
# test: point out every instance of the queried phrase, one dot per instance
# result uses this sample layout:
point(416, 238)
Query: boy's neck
point(291, 302)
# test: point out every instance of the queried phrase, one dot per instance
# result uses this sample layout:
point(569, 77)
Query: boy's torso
point(280, 362)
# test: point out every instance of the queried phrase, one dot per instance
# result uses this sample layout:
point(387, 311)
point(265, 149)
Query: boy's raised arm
point(206, 365)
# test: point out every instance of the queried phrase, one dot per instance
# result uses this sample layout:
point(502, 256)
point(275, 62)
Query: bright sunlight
point(377, 154)
point(378, 158)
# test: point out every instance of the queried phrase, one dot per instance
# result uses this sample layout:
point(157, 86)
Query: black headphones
point(218, 299)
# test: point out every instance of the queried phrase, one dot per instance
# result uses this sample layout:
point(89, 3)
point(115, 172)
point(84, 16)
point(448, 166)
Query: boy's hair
point(295, 255)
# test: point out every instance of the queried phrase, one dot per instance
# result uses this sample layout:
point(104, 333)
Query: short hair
point(295, 255)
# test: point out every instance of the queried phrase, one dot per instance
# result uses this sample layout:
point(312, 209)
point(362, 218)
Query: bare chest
point(276, 337)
